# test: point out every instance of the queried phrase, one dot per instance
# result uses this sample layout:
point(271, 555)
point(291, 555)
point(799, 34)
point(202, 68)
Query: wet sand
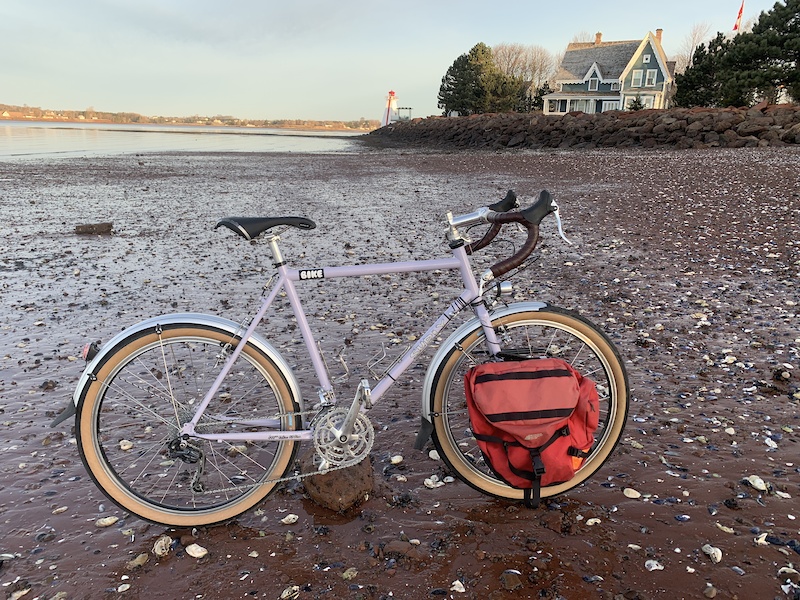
point(689, 260)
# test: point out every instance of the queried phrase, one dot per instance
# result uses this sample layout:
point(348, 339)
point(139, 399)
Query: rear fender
point(259, 342)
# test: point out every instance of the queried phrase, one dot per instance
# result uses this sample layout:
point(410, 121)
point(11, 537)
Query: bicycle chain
point(297, 476)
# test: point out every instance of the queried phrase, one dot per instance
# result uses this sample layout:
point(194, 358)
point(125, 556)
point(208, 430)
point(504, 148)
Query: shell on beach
point(162, 546)
point(714, 553)
point(196, 551)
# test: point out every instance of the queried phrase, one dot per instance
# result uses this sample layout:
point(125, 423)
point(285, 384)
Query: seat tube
point(305, 330)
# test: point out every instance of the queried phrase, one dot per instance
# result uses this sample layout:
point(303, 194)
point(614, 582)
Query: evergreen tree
point(636, 104)
point(760, 64)
point(538, 98)
point(766, 60)
point(473, 84)
point(460, 88)
point(700, 84)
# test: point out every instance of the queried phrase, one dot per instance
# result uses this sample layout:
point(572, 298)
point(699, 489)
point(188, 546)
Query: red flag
point(738, 23)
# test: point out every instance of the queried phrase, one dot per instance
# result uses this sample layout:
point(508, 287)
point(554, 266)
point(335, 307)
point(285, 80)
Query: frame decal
point(306, 274)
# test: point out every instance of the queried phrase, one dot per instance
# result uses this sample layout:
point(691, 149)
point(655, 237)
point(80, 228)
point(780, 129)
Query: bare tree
point(533, 64)
point(697, 35)
point(582, 37)
point(510, 58)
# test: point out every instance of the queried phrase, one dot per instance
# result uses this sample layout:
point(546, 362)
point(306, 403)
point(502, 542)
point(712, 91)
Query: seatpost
point(277, 256)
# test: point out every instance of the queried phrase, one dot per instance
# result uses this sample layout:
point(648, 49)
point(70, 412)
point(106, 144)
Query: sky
point(295, 59)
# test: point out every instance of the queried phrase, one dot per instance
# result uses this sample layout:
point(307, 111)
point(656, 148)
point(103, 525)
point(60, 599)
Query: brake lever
point(560, 228)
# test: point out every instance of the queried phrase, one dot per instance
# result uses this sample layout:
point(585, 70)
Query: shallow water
point(20, 139)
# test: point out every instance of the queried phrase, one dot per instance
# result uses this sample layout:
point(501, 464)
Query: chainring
point(331, 451)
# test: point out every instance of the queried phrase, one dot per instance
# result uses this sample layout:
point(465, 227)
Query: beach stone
point(338, 490)
point(94, 229)
point(680, 128)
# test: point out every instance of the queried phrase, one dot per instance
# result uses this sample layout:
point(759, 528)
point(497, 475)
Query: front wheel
point(549, 332)
point(130, 417)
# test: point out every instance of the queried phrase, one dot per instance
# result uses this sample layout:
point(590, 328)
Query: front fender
point(181, 319)
point(426, 425)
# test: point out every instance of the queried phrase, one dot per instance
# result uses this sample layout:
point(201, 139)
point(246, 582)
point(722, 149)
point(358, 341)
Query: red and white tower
point(390, 113)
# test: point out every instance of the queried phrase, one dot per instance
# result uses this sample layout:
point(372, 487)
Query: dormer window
point(646, 58)
point(594, 83)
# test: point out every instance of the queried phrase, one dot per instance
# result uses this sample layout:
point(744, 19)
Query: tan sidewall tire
point(611, 435)
point(120, 494)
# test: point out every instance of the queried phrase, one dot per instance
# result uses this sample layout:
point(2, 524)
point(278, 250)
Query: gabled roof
point(611, 57)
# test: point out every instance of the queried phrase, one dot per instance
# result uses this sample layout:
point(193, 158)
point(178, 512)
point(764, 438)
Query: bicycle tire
point(530, 333)
point(142, 394)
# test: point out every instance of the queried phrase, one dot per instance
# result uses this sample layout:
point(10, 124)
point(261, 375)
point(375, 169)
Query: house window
point(556, 106)
point(650, 81)
point(582, 105)
point(646, 58)
point(610, 105)
point(615, 86)
point(593, 84)
point(637, 78)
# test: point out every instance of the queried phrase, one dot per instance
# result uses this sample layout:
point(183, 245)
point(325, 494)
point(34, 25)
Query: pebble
point(593, 521)
point(106, 521)
point(124, 587)
point(137, 562)
point(710, 591)
point(511, 580)
point(196, 551)
point(458, 587)
point(434, 455)
point(125, 445)
point(396, 459)
point(350, 574)
point(631, 493)
point(290, 519)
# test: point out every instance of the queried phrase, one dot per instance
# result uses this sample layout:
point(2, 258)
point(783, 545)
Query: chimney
point(598, 38)
point(659, 33)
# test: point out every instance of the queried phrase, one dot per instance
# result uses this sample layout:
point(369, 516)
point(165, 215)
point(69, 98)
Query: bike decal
point(311, 274)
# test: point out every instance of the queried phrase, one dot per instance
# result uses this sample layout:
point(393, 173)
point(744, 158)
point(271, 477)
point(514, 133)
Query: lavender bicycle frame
point(285, 282)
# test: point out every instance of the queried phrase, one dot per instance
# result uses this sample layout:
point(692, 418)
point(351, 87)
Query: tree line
point(125, 118)
point(761, 64)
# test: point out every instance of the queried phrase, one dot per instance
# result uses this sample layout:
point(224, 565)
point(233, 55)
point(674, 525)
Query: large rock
point(338, 490)
point(761, 125)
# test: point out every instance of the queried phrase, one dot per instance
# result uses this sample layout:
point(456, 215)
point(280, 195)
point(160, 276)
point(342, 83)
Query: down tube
point(427, 338)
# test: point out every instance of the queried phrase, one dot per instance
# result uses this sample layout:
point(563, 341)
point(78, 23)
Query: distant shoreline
point(320, 128)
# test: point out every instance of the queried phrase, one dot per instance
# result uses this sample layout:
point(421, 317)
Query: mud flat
point(688, 259)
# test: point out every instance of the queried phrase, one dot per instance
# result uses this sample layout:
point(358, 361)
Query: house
point(600, 76)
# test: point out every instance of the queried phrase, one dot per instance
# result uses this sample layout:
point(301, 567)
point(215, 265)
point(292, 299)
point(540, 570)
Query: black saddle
point(252, 227)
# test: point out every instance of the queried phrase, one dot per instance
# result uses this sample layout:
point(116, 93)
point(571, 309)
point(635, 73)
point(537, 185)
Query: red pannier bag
point(534, 420)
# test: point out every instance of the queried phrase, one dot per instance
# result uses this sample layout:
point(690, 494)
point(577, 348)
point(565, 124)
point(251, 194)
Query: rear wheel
point(549, 332)
point(130, 418)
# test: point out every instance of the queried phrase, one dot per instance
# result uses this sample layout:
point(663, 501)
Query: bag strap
point(532, 495)
point(577, 453)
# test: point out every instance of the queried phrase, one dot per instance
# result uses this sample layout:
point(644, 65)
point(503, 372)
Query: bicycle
point(191, 419)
